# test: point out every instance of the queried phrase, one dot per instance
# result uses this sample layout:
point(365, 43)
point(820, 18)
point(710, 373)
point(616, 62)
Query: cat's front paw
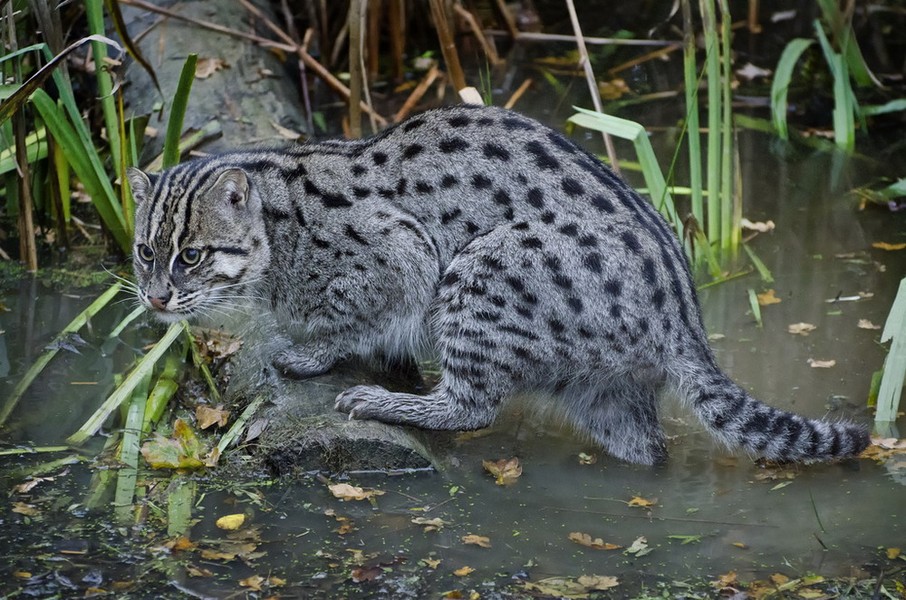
point(362, 401)
point(298, 365)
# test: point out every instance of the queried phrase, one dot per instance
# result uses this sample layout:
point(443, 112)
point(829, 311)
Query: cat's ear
point(232, 186)
point(139, 183)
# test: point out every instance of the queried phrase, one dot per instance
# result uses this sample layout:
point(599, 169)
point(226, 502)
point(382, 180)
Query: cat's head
point(200, 243)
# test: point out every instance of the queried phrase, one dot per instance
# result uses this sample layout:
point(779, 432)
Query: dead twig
point(488, 49)
point(645, 58)
point(417, 93)
point(518, 93)
point(447, 44)
point(529, 36)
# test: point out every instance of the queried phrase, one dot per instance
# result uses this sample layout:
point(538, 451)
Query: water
point(736, 515)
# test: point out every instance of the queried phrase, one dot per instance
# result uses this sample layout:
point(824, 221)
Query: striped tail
point(739, 420)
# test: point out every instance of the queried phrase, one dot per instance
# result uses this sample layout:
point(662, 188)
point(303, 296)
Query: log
point(297, 427)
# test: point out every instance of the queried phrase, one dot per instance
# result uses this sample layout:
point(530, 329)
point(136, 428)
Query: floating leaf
point(598, 582)
point(780, 486)
point(360, 574)
point(893, 553)
point(888, 247)
point(28, 510)
point(231, 522)
point(254, 582)
point(431, 563)
point(643, 502)
point(866, 324)
point(760, 226)
point(478, 540)
point(182, 451)
point(821, 364)
point(205, 67)
point(768, 297)
point(779, 578)
point(585, 539)
point(435, 524)
point(801, 328)
point(725, 580)
point(345, 492)
point(587, 459)
point(639, 547)
point(463, 571)
point(506, 470)
point(563, 587)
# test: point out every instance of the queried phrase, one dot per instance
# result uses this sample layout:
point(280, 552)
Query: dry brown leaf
point(478, 540)
point(435, 524)
point(585, 539)
point(286, 132)
point(759, 226)
point(205, 67)
point(207, 416)
point(893, 553)
point(779, 578)
point(725, 580)
point(463, 571)
point(360, 574)
point(821, 364)
point(801, 328)
point(866, 324)
point(274, 581)
point(888, 247)
point(254, 582)
point(768, 297)
point(23, 508)
point(431, 563)
point(643, 502)
point(506, 470)
point(344, 492)
point(598, 582)
point(231, 522)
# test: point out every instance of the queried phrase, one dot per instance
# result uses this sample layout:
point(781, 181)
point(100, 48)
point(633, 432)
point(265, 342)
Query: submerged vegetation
point(68, 136)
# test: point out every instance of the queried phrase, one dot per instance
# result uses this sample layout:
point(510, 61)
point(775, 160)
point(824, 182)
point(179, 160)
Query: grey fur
point(481, 235)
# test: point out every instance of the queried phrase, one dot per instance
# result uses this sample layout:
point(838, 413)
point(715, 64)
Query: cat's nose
point(160, 302)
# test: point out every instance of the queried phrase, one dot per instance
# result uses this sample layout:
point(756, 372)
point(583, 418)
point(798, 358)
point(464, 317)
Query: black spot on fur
point(563, 281)
point(514, 123)
point(616, 312)
point(471, 227)
point(548, 217)
point(521, 226)
point(502, 198)
point(459, 121)
point(570, 229)
point(602, 203)
point(525, 312)
point(613, 287)
point(413, 124)
point(498, 301)
point(360, 192)
point(535, 197)
point(522, 353)
point(532, 242)
point(543, 159)
point(585, 333)
point(575, 304)
point(319, 242)
point(588, 241)
point(572, 187)
point(423, 187)
point(486, 121)
point(448, 181)
point(631, 241)
point(386, 193)
point(658, 298)
point(450, 215)
point(379, 158)
point(515, 283)
point(648, 271)
point(452, 144)
point(359, 170)
point(491, 262)
point(451, 278)
point(488, 316)
point(401, 186)
point(412, 150)
point(480, 182)
point(592, 262)
point(492, 150)
point(556, 326)
point(561, 142)
point(553, 263)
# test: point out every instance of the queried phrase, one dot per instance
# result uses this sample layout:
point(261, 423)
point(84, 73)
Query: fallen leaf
point(810, 593)
point(286, 132)
point(182, 451)
point(360, 574)
point(639, 547)
point(801, 328)
point(821, 364)
point(231, 522)
point(715, 337)
point(725, 580)
point(431, 563)
point(888, 247)
point(478, 540)
point(180, 544)
point(892, 553)
point(768, 297)
point(613, 89)
point(558, 587)
point(206, 416)
point(205, 67)
point(780, 485)
point(194, 571)
point(22, 574)
point(506, 470)
point(345, 492)
point(759, 226)
point(866, 324)
point(463, 571)
point(435, 524)
point(779, 578)
point(585, 539)
point(254, 582)
point(643, 502)
point(25, 509)
point(276, 581)
point(587, 459)
point(740, 545)
point(598, 582)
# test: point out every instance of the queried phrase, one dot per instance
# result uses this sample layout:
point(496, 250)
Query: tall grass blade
point(712, 66)
point(895, 363)
point(129, 452)
point(116, 16)
point(783, 75)
point(759, 265)
point(179, 506)
point(727, 196)
point(238, 425)
point(36, 149)
point(178, 111)
point(94, 11)
point(632, 131)
point(42, 361)
point(691, 80)
point(756, 308)
point(121, 393)
point(163, 391)
point(843, 114)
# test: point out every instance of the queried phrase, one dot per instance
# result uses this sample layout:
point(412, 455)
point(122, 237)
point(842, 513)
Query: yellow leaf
point(639, 501)
point(892, 553)
point(463, 571)
point(208, 415)
point(585, 539)
point(254, 582)
point(888, 247)
point(25, 509)
point(231, 522)
point(435, 524)
point(779, 578)
point(587, 459)
point(274, 581)
point(598, 582)
point(821, 364)
point(800, 328)
point(741, 545)
point(810, 593)
point(725, 580)
point(478, 540)
point(344, 492)
point(505, 470)
point(21, 574)
point(431, 563)
point(768, 298)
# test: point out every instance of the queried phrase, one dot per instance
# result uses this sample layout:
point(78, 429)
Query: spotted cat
point(514, 255)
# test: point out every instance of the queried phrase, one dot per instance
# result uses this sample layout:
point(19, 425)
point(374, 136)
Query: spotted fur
point(517, 257)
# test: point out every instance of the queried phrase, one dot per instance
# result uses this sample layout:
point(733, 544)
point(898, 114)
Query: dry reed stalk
point(530, 36)
point(355, 67)
point(754, 25)
point(447, 44)
point(508, 19)
point(487, 48)
point(592, 82)
point(518, 93)
point(645, 58)
point(375, 10)
point(396, 17)
point(417, 93)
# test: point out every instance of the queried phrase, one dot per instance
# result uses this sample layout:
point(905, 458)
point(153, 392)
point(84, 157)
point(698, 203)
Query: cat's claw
point(361, 402)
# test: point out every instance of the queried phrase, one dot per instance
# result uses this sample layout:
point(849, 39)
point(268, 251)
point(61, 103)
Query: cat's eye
point(190, 256)
point(145, 253)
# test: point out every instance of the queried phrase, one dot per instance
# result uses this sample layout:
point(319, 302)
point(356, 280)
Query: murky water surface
point(711, 511)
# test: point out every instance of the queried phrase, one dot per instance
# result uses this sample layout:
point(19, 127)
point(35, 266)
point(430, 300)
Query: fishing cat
point(522, 261)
